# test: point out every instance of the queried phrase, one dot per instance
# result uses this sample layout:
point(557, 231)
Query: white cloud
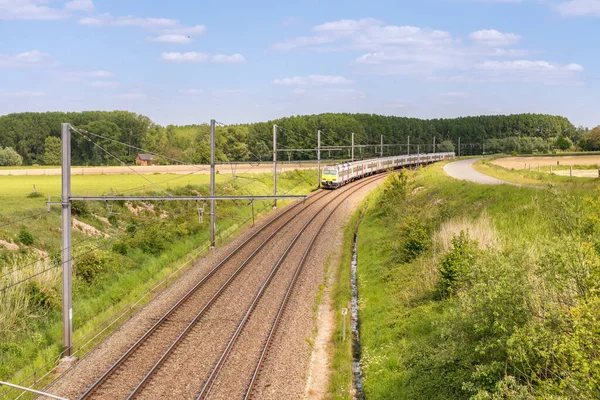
point(171, 38)
point(26, 59)
point(313, 80)
point(492, 37)
point(225, 59)
point(191, 56)
point(28, 9)
point(543, 72)
point(80, 5)
point(24, 94)
point(130, 20)
point(579, 8)
point(190, 91)
point(132, 96)
point(171, 30)
point(456, 94)
point(103, 84)
point(40, 10)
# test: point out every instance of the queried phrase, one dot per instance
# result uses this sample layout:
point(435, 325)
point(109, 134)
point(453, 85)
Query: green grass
point(36, 338)
point(481, 342)
point(533, 177)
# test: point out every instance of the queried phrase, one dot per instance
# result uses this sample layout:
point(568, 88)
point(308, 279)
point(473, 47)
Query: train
point(336, 175)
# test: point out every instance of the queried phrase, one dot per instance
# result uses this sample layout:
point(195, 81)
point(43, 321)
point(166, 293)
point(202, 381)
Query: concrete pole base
point(65, 363)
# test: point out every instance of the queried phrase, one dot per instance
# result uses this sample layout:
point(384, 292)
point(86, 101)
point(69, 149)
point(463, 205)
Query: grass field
point(477, 292)
point(533, 162)
point(140, 250)
point(537, 178)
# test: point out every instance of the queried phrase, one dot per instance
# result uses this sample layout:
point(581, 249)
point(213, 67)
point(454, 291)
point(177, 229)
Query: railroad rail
point(163, 322)
point(227, 351)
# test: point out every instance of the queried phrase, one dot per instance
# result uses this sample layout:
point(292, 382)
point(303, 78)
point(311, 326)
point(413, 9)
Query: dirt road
point(463, 170)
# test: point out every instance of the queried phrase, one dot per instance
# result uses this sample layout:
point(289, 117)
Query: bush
point(25, 237)
point(120, 248)
point(456, 263)
point(114, 221)
point(79, 208)
point(35, 195)
point(417, 239)
point(42, 298)
point(89, 266)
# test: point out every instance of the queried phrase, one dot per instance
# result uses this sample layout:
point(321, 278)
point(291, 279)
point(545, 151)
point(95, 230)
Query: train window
point(330, 171)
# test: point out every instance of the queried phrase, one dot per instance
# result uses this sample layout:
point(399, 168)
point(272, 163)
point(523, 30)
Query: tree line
point(35, 137)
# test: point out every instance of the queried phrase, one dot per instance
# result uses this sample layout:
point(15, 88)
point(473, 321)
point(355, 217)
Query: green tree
point(52, 151)
point(9, 157)
point(563, 143)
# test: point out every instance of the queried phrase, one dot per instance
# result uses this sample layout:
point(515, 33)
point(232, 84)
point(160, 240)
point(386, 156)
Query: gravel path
point(463, 170)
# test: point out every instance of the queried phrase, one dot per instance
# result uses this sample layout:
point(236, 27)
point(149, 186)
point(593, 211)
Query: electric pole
point(213, 128)
point(381, 151)
point(67, 250)
point(434, 144)
point(274, 164)
point(459, 146)
point(319, 157)
point(352, 146)
point(408, 147)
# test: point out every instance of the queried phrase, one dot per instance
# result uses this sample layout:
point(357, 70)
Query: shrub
point(89, 265)
point(417, 239)
point(42, 298)
point(35, 195)
point(120, 248)
point(114, 221)
point(79, 208)
point(25, 237)
point(456, 263)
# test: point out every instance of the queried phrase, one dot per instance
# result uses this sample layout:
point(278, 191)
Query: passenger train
point(337, 175)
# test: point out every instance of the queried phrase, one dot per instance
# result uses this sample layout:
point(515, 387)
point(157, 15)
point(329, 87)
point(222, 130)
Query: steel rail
point(284, 302)
point(148, 333)
point(221, 362)
point(207, 306)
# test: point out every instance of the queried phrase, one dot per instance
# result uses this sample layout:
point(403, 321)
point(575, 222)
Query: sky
point(189, 61)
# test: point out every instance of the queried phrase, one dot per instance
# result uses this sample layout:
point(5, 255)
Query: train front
point(329, 177)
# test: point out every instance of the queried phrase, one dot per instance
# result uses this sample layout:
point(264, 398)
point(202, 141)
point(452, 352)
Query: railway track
point(142, 361)
point(252, 310)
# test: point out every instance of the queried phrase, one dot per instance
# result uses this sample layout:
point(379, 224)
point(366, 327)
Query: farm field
point(136, 245)
point(525, 162)
point(248, 168)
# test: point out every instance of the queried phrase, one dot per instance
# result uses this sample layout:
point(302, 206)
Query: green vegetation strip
point(474, 292)
point(145, 248)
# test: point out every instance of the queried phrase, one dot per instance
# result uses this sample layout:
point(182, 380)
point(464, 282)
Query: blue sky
point(187, 61)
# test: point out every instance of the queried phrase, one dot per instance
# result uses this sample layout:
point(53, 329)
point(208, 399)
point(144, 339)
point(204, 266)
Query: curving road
point(463, 170)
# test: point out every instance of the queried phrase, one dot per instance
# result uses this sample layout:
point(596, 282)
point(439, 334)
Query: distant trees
point(35, 136)
point(563, 143)
point(591, 140)
point(445, 146)
point(52, 151)
point(9, 157)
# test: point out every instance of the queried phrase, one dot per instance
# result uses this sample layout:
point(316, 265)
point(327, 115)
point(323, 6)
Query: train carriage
point(334, 176)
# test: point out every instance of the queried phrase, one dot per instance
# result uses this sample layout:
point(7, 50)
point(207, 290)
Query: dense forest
point(35, 136)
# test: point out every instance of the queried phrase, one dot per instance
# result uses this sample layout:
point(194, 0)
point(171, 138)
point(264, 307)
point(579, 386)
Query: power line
point(119, 160)
point(137, 148)
point(24, 219)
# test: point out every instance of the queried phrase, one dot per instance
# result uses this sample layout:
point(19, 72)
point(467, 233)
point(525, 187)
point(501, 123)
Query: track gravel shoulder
point(288, 366)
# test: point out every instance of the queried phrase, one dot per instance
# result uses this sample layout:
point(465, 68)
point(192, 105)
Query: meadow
point(137, 246)
point(475, 292)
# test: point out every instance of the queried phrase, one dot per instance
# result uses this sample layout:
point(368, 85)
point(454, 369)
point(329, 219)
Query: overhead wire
point(73, 258)
point(23, 219)
point(119, 160)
